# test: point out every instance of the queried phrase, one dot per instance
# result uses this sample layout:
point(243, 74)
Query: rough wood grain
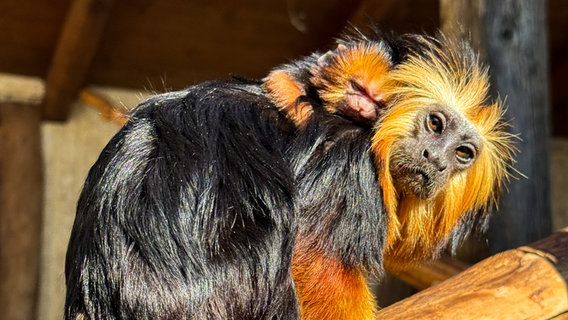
point(76, 47)
point(518, 57)
point(21, 192)
point(515, 284)
point(553, 248)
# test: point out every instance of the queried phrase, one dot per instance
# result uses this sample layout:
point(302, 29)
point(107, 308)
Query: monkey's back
point(174, 222)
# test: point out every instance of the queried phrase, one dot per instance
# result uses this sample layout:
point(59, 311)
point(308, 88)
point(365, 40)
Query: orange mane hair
point(447, 74)
point(285, 91)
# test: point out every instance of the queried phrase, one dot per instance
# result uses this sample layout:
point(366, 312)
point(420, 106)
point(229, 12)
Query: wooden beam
point(430, 273)
point(21, 202)
point(399, 284)
point(524, 283)
point(21, 89)
point(75, 50)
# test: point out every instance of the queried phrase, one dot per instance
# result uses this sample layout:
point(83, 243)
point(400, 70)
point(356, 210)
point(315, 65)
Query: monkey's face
point(351, 80)
point(441, 144)
point(442, 150)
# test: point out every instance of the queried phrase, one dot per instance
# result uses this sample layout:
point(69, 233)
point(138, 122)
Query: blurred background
point(66, 66)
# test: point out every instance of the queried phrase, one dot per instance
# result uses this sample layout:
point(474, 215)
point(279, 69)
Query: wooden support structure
point(511, 36)
point(74, 52)
point(430, 273)
point(529, 282)
point(21, 201)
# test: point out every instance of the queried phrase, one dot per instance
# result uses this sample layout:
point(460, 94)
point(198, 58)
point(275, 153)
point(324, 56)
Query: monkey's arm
point(341, 220)
point(329, 289)
point(286, 85)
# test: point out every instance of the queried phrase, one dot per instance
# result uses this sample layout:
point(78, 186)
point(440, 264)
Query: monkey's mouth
point(420, 175)
point(413, 180)
point(423, 184)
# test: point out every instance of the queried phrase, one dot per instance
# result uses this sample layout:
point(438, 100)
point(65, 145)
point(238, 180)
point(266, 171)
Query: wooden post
point(20, 210)
point(511, 37)
point(525, 283)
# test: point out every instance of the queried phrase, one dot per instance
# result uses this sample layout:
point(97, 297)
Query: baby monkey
point(350, 80)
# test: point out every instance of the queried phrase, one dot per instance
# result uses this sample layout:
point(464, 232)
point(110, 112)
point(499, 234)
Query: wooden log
point(21, 192)
point(427, 274)
point(517, 53)
point(524, 283)
point(75, 50)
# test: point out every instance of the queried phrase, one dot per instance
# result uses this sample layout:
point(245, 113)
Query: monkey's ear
point(327, 58)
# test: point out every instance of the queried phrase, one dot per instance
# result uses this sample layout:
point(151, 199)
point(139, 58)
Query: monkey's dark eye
point(357, 87)
point(435, 123)
point(465, 153)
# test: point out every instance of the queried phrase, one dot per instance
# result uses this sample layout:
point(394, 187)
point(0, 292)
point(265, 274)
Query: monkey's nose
point(435, 159)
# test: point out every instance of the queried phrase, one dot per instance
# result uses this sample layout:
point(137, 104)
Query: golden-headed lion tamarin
point(445, 146)
point(440, 149)
point(211, 203)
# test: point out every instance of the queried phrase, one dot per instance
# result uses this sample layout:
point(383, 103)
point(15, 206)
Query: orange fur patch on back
point(327, 289)
point(284, 91)
point(420, 228)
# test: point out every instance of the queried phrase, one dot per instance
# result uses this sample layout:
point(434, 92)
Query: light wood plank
point(524, 283)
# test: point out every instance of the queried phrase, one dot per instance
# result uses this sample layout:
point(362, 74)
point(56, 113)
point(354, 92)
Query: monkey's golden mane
point(447, 74)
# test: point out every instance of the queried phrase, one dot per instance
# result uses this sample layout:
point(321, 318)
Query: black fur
point(192, 209)
point(341, 208)
point(188, 213)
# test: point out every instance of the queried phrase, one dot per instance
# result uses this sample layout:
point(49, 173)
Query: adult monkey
point(190, 212)
point(440, 150)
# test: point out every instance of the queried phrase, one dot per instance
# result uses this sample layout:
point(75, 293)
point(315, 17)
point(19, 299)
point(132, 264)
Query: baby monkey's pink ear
point(326, 59)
